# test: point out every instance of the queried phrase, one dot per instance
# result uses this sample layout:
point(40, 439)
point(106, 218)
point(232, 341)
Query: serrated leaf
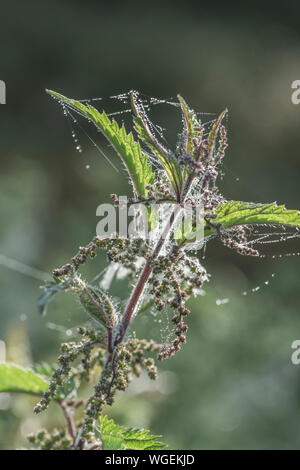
point(141, 439)
point(164, 156)
point(14, 378)
point(115, 437)
point(134, 160)
point(110, 434)
point(94, 300)
point(235, 213)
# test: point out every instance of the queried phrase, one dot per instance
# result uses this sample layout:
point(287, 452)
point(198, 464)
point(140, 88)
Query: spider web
point(160, 117)
point(266, 236)
point(118, 107)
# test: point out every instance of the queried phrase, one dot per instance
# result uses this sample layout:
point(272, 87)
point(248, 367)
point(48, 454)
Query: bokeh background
point(233, 386)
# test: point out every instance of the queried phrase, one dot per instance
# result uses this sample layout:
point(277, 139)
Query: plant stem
point(69, 419)
point(147, 270)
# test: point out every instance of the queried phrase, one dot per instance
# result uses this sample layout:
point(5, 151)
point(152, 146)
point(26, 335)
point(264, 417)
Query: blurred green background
point(233, 385)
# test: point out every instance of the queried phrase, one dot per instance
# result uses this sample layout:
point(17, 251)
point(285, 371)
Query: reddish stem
point(69, 419)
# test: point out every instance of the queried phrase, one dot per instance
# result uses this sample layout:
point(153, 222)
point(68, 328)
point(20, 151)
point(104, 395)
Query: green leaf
point(110, 435)
point(164, 156)
point(190, 122)
point(235, 213)
point(115, 437)
point(212, 137)
point(145, 306)
point(135, 161)
point(141, 439)
point(98, 305)
point(44, 369)
point(95, 302)
point(16, 379)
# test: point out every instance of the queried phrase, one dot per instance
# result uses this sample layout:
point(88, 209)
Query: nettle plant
point(164, 269)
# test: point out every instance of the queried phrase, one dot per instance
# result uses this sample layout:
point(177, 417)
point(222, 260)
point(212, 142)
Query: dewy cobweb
point(119, 107)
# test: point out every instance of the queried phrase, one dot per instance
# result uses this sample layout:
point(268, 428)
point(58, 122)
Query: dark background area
point(233, 385)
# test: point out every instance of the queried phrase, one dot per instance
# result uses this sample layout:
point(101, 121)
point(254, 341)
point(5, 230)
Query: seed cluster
point(223, 144)
point(128, 360)
point(56, 440)
point(128, 252)
point(239, 246)
point(86, 252)
point(121, 250)
point(70, 352)
point(175, 278)
point(211, 199)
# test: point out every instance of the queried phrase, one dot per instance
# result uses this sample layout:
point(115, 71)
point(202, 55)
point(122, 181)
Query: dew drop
point(255, 289)
point(222, 301)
